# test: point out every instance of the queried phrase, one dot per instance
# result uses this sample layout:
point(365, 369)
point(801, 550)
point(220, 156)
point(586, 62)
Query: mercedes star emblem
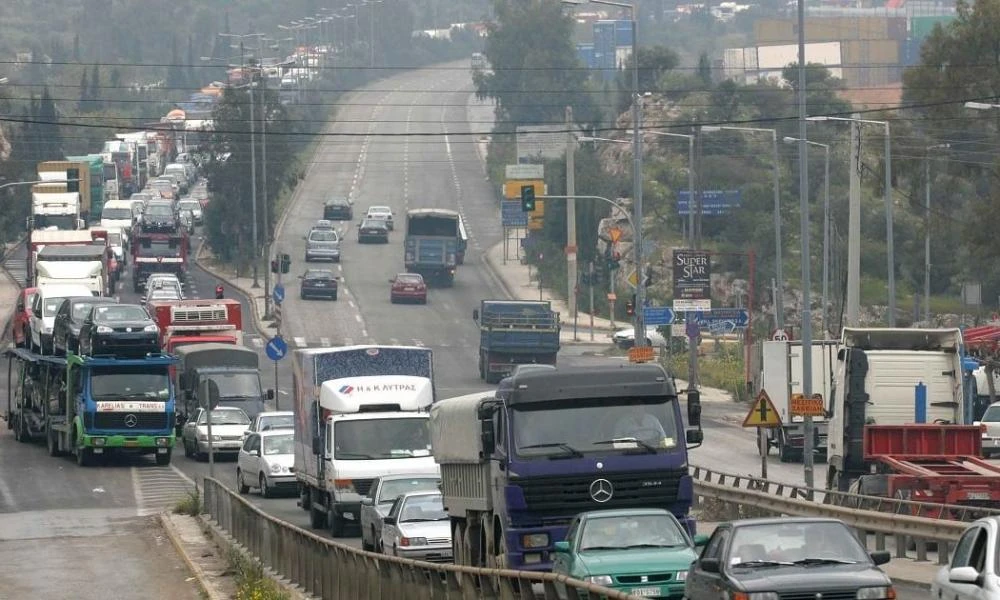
point(132, 421)
point(601, 490)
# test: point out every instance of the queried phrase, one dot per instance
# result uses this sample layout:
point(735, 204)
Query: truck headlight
point(344, 485)
point(104, 329)
point(599, 579)
point(535, 540)
point(162, 442)
point(882, 592)
point(98, 441)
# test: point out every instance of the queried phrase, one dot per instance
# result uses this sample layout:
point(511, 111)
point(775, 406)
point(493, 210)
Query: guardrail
point(880, 530)
point(331, 570)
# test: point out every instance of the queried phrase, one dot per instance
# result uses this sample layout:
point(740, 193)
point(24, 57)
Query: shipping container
point(830, 29)
point(871, 63)
point(921, 27)
point(911, 52)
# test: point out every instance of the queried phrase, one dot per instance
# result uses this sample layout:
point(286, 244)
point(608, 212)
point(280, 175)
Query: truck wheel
point(84, 456)
point(336, 522)
point(163, 460)
point(317, 518)
point(304, 498)
point(51, 443)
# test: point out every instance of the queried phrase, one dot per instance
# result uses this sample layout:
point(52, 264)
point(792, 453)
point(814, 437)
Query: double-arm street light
point(890, 242)
point(826, 227)
point(779, 300)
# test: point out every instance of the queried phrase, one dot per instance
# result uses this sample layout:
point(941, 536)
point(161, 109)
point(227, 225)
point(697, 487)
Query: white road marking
point(300, 342)
point(357, 318)
point(325, 342)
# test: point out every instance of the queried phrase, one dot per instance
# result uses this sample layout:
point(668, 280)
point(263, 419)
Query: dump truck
point(513, 332)
point(95, 165)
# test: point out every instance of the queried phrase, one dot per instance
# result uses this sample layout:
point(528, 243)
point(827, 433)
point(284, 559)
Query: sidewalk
point(9, 291)
point(521, 283)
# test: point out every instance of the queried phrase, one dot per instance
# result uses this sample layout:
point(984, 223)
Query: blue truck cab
point(93, 406)
point(434, 245)
point(517, 467)
point(513, 332)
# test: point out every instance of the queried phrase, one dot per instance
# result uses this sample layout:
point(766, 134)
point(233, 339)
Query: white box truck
point(360, 412)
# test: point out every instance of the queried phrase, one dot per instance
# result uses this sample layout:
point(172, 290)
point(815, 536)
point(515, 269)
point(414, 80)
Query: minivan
point(43, 312)
point(323, 244)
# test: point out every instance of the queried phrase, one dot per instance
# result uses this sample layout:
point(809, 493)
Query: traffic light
point(286, 263)
point(528, 198)
point(630, 306)
point(73, 180)
point(614, 258)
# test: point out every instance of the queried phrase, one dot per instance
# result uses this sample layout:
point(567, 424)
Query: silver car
point(228, 425)
point(418, 527)
point(376, 505)
point(323, 244)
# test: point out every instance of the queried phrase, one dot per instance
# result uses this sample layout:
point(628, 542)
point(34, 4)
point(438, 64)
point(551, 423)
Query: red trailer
point(933, 463)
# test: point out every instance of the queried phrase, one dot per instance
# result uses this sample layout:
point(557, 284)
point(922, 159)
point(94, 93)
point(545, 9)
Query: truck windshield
point(594, 425)
point(381, 439)
point(117, 214)
point(61, 222)
point(433, 226)
point(130, 382)
point(149, 247)
point(237, 385)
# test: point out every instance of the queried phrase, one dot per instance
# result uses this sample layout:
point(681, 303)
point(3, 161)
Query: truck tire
point(304, 498)
point(51, 443)
point(163, 460)
point(84, 456)
point(317, 518)
point(336, 522)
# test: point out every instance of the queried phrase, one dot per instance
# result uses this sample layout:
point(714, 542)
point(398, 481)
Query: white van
point(117, 214)
point(43, 312)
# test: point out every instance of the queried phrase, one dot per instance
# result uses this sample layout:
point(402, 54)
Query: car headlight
point(104, 329)
point(755, 596)
point(881, 592)
point(413, 541)
point(681, 576)
point(599, 579)
point(275, 468)
point(151, 328)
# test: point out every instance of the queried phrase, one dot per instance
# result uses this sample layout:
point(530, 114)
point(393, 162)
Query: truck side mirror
point(317, 446)
point(475, 314)
point(694, 437)
point(270, 394)
point(694, 408)
point(488, 439)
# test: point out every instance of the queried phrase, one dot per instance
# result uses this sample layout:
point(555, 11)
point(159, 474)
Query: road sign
point(524, 172)
point(278, 295)
point(614, 234)
point(511, 214)
point(721, 327)
point(642, 354)
point(762, 413)
point(780, 335)
point(692, 306)
point(807, 407)
point(633, 279)
point(276, 348)
point(714, 203)
point(732, 318)
point(657, 315)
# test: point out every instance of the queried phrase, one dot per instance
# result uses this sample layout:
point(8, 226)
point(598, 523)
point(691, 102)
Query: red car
point(408, 287)
point(22, 314)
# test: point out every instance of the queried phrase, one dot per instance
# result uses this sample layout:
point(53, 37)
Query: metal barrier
point(333, 571)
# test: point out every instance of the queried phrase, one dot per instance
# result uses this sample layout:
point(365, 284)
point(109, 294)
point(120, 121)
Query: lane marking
point(325, 342)
point(300, 342)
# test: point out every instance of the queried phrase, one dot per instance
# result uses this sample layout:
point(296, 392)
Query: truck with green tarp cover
point(234, 369)
point(92, 406)
point(513, 332)
point(96, 167)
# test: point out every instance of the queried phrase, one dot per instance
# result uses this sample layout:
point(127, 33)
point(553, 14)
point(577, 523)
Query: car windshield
point(795, 542)
point(322, 235)
point(277, 444)
point(276, 422)
point(992, 414)
point(117, 214)
point(569, 427)
point(50, 306)
point(381, 438)
point(237, 385)
point(159, 247)
point(373, 223)
point(115, 239)
point(631, 531)
point(225, 417)
point(191, 205)
point(409, 279)
point(423, 508)
point(159, 210)
point(394, 488)
point(140, 383)
point(82, 309)
point(120, 312)
point(379, 211)
point(165, 293)
point(318, 275)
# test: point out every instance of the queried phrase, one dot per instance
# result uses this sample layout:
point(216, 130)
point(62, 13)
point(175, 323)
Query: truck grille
point(564, 496)
point(189, 314)
point(362, 486)
point(122, 420)
point(831, 595)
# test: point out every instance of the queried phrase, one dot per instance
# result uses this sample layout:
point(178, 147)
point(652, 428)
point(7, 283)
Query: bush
point(251, 582)
point(190, 505)
point(724, 370)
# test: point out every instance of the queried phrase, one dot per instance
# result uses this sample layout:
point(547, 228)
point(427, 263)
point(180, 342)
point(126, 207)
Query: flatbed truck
point(515, 332)
point(91, 407)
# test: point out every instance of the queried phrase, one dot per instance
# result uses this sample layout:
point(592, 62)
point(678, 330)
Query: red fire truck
point(198, 321)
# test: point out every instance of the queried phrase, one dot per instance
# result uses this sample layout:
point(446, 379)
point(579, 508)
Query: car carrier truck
point(92, 406)
point(360, 413)
point(516, 469)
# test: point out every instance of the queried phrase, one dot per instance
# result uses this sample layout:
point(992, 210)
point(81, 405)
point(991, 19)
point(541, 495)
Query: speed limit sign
point(779, 336)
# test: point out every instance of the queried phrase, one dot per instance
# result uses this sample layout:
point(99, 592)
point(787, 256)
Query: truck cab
point(221, 317)
point(235, 370)
point(83, 265)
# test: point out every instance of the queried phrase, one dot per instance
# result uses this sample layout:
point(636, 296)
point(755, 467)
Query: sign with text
point(714, 203)
point(692, 275)
point(807, 407)
point(511, 214)
point(524, 172)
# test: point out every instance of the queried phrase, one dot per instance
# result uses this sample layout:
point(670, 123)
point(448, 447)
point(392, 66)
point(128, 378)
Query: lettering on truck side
point(123, 406)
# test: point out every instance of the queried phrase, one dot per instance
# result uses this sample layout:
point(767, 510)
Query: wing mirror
point(393, 280)
point(359, 225)
point(562, 546)
point(389, 520)
point(317, 446)
point(966, 575)
point(255, 453)
point(270, 394)
point(694, 436)
point(366, 501)
point(709, 565)
point(700, 540)
point(881, 557)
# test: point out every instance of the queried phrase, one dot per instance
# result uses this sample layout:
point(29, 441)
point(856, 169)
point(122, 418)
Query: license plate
point(978, 496)
point(409, 289)
point(645, 591)
point(131, 443)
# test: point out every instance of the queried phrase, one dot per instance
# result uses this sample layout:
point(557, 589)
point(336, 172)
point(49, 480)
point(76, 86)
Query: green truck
point(95, 163)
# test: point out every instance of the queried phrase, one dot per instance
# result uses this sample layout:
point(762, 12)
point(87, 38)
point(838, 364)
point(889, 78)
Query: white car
point(990, 425)
point(418, 527)
point(162, 290)
point(44, 308)
point(383, 493)
point(194, 206)
point(625, 338)
point(228, 425)
point(273, 420)
point(973, 573)
point(266, 461)
point(381, 212)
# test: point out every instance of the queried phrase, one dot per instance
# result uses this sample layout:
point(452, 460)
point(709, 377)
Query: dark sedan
point(120, 330)
point(318, 283)
point(338, 208)
point(69, 320)
point(793, 557)
point(373, 231)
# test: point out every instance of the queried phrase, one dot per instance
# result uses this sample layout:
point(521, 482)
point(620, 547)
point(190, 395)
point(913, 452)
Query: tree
point(654, 64)
point(84, 105)
point(49, 136)
point(534, 72)
point(705, 69)
point(95, 88)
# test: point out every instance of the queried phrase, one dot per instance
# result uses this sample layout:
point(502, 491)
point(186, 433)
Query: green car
point(643, 552)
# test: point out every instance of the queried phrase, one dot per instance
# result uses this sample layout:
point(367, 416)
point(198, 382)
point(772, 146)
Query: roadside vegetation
point(190, 504)
point(251, 581)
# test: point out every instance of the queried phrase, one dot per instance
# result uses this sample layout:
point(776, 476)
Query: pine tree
point(705, 69)
point(50, 138)
point(95, 88)
point(84, 103)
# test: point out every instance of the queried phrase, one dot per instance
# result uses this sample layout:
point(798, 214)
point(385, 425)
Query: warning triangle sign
point(762, 413)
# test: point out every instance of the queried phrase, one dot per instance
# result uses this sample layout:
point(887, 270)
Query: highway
point(403, 172)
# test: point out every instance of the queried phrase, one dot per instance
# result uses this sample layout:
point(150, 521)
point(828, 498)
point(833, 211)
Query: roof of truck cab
point(564, 383)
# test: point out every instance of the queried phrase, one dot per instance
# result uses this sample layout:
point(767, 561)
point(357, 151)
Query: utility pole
point(640, 288)
point(927, 237)
point(571, 263)
point(890, 241)
point(853, 301)
point(267, 206)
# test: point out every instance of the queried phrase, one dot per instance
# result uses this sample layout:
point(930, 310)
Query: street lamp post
point(779, 300)
point(927, 229)
point(890, 243)
point(826, 228)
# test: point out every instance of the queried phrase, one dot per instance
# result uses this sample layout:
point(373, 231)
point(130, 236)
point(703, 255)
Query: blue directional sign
point(658, 315)
point(511, 214)
point(278, 295)
point(739, 317)
point(276, 348)
point(714, 203)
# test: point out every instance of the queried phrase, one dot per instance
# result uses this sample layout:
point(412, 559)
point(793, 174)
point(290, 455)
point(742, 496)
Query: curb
point(8, 320)
point(223, 540)
point(207, 588)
